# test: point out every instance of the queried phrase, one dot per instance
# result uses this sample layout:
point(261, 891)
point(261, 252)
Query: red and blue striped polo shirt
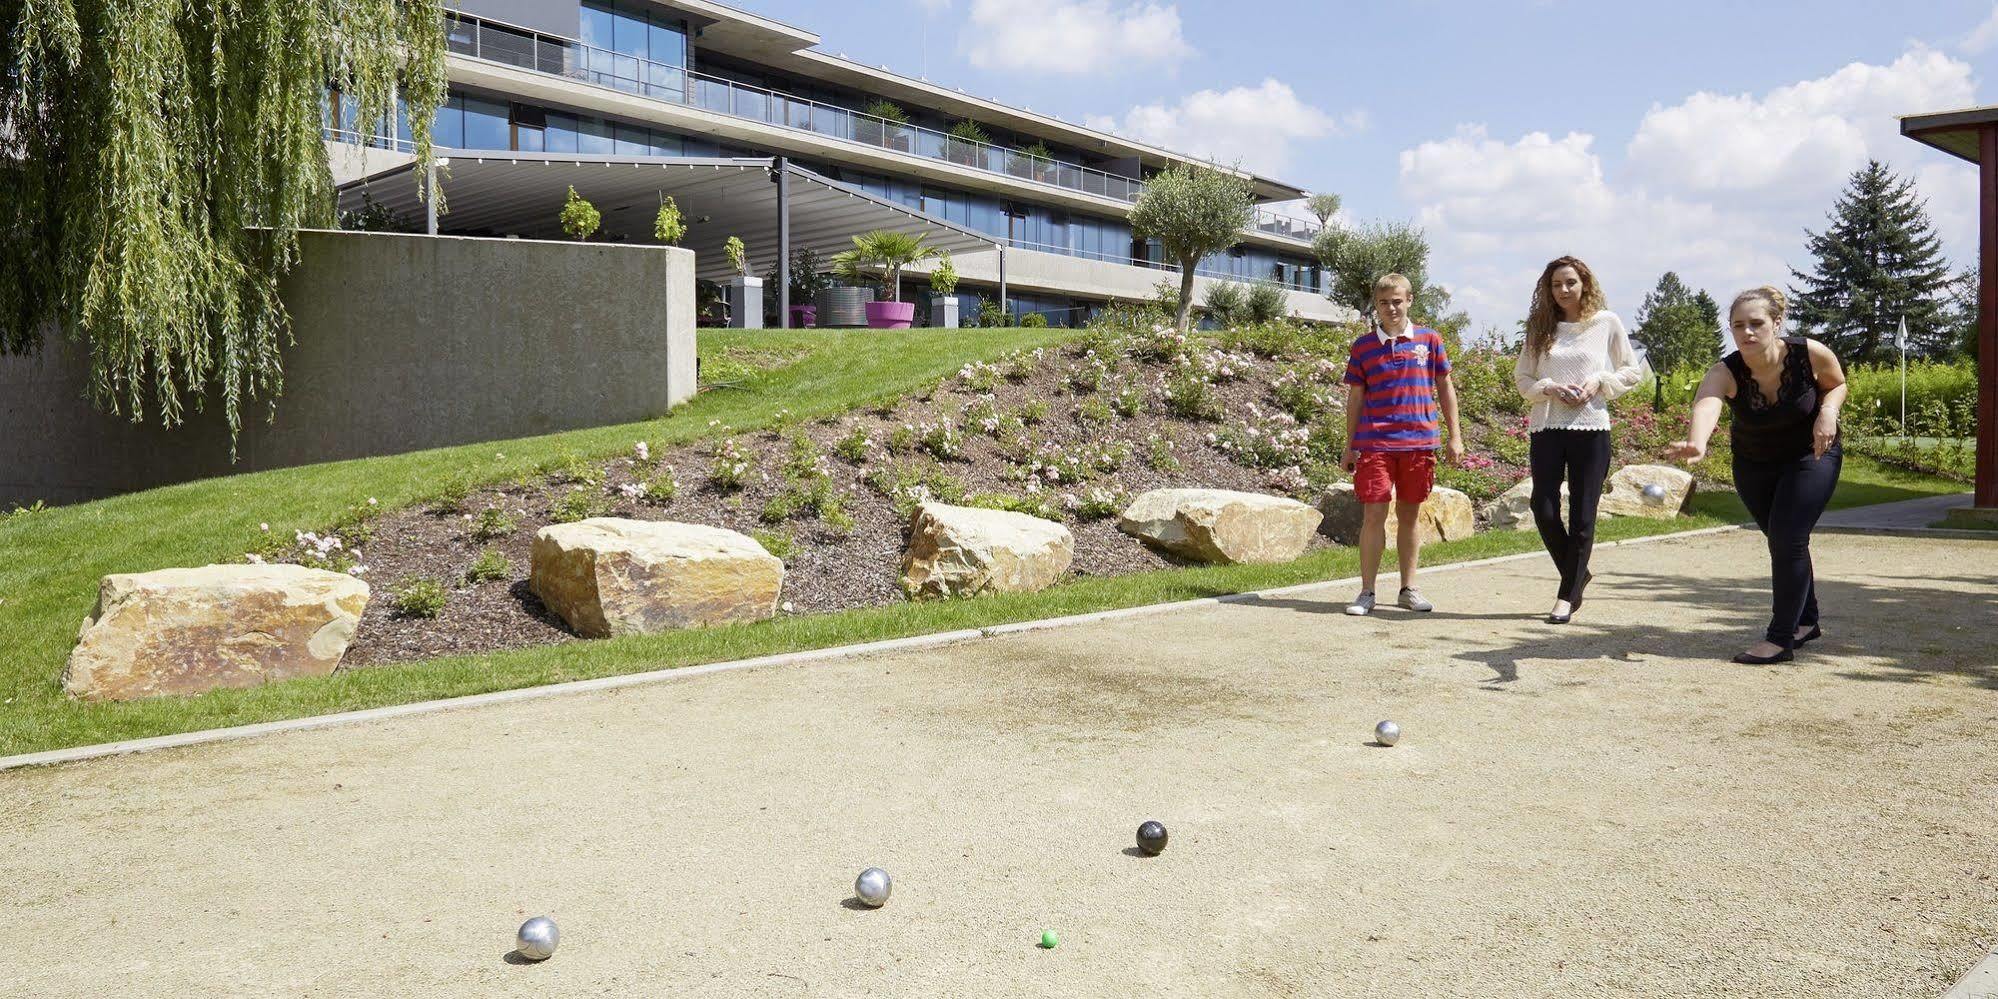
point(1398, 379)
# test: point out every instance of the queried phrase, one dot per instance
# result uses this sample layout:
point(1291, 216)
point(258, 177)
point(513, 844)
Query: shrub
point(492, 523)
point(1189, 397)
point(1100, 503)
point(1224, 302)
point(1094, 410)
point(943, 277)
point(992, 315)
point(779, 544)
point(451, 499)
point(905, 486)
point(1159, 456)
point(1034, 321)
point(1033, 506)
point(1871, 388)
point(1157, 344)
point(667, 226)
point(737, 253)
point(661, 488)
point(488, 567)
point(1265, 303)
point(979, 376)
point(983, 415)
point(804, 459)
point(1017, 366)
point(1088, 374)
point(1034, 413)
point(578, 504)
point(854, 446)
point(579, 218)
point(579, 470)
point(942, 439)
point(730, 467)
point(1264, 443)
point(418, 597)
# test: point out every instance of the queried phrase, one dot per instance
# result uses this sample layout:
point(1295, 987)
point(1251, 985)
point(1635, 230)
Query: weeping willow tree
point(157, 159)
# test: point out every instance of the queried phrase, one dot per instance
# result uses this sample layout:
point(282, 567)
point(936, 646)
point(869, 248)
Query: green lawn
point(50, 561)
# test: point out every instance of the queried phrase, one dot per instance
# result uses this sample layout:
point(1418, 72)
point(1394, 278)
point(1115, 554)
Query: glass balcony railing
point(553, 54)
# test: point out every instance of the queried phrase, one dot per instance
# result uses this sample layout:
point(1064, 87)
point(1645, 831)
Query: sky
point(1698, 136)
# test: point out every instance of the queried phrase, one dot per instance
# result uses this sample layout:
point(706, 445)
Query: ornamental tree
point(580, 219)
point(668, 227)
point(1192, 211)
point(159, 160)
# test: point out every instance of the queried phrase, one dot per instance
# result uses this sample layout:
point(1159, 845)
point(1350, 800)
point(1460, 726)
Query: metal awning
point(521, 194)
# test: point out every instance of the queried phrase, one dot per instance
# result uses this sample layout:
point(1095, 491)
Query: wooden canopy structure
point(1972, 134)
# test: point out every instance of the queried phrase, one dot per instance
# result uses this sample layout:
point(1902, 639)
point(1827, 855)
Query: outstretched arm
point(1707, 405)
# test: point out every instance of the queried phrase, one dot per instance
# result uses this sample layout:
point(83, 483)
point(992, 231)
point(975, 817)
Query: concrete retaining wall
point(402, 343)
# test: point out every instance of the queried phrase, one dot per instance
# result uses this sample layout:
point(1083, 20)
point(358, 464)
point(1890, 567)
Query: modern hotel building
point(632, 100)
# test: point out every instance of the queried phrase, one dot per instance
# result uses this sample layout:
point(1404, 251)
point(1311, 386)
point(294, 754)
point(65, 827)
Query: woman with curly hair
point(1576, 358)
point(1785, 392)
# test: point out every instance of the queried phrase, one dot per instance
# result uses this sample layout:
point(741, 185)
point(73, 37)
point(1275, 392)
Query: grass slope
point(50, 561)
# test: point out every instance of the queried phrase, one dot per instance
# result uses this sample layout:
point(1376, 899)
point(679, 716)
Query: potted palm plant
point(887, 252)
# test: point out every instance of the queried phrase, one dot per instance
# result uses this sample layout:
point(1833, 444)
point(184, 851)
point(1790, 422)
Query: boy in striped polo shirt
point(1397, 376)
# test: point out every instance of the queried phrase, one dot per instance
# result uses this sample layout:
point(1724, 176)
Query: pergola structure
point(1972, 134)
point(772, 204)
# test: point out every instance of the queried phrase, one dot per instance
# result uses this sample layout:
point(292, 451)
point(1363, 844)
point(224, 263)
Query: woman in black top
point(1785, 393)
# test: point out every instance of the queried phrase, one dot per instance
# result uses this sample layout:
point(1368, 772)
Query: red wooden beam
point(1987, 318)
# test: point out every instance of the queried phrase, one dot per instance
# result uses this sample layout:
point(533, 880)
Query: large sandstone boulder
point(1624, 494)
point(1218, 525)
point(610, 576)
point(1512, 510)
point(1447, 515)
point(184, 631)
point(958, 551)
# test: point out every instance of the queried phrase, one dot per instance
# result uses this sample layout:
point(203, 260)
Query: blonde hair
point(1390, 281)
point(1769, 295)
point(1544, 313)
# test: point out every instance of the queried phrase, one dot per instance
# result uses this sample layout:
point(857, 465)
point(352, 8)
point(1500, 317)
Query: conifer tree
point(1878, 261)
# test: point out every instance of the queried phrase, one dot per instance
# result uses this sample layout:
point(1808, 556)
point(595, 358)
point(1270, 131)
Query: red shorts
point(1407, 476)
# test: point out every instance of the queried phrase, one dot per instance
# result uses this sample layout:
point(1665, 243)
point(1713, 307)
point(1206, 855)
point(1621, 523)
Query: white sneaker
point(1362, 605)
point(1414, 600)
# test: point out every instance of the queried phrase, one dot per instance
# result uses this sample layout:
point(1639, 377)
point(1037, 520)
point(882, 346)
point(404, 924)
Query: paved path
point(1602, 809)
point(1902, 515)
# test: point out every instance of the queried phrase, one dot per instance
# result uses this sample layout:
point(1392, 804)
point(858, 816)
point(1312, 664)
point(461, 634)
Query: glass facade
point(480, 122)
point(637, 45)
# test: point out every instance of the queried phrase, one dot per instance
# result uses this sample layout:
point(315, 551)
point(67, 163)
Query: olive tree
point(1193, 212)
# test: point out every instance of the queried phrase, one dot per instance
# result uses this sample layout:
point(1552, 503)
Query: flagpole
point(1901, 340)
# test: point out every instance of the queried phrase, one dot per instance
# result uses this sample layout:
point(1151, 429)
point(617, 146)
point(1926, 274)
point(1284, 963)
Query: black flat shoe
point(1816, 633)
point(1559, 618)
point(1746, 659)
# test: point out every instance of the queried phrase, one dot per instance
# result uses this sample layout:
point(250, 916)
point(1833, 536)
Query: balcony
point(567, 57)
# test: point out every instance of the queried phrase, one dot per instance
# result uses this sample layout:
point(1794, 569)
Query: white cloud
point(1255, 125)
point(1797, 138)
point(1981, 37)
point(1716, 187)
point(1072, 37)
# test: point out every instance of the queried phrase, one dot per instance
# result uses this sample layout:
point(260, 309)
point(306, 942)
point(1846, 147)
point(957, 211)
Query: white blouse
point(1594, 351)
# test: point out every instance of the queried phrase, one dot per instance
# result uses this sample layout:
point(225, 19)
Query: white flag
point(1901, 336)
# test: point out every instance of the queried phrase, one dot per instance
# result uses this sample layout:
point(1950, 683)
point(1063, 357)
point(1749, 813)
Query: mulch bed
point(830, 569)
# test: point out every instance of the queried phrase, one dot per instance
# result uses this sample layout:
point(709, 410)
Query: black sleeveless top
point(1780, 430)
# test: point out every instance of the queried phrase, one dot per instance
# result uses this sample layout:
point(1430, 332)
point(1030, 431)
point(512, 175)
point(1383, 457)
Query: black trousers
point(1786, 498)
point(1582, 457)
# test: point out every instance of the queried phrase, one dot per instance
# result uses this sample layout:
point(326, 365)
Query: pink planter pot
point(890, 315)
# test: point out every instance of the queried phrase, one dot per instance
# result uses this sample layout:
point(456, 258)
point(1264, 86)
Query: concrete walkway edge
point(202, 736)
point(1980, 982)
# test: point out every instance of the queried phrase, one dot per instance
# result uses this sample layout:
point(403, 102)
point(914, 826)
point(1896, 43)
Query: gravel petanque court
point(1608, 808)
